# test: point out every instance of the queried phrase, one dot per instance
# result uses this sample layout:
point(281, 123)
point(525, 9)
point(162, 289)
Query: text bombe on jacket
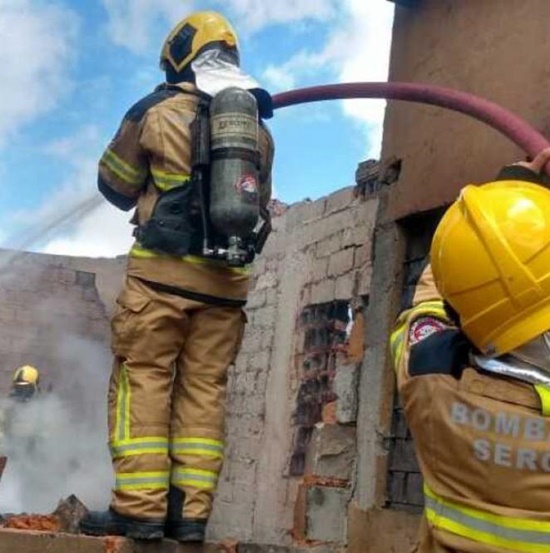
point(525, 430)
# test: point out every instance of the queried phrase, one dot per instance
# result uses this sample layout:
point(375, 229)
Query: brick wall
point(283, 422)
point(50, 309)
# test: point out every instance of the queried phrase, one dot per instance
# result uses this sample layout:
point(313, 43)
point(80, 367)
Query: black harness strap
point(193, 296)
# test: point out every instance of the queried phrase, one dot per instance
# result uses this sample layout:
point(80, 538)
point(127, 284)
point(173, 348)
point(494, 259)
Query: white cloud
point(357, 50)
point(369, 40)
point(103, 233)
point(132, 22)
point(75, 220)
point(253, 15)
point(38, 46)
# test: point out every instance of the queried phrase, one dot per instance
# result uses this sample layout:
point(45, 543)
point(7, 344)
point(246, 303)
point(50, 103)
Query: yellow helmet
point(26, 375)
point(193, 35)
point(490, 258)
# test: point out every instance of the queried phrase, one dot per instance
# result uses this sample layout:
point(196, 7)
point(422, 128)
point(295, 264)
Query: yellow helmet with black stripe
point(192, 36)
point(25, 383)
point(26, 374)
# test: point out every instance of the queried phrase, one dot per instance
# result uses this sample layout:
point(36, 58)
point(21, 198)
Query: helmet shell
point(193, 35)
point(490, 258)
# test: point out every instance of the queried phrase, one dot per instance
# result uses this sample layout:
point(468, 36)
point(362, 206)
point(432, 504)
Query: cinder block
point(266, 280)
point(341, 262)
point(345, 386)
point(339, 200)
point(326, 514)
point(329, 245)
point(331, 451)
point(256, 299)
point(323, 291)
point(361, 256)
point(345, 286)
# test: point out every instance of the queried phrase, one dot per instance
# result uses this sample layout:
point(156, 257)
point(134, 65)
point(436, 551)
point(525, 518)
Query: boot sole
point(184, 538)
point(126, 530)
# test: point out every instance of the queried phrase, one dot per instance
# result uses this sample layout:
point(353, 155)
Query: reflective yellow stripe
point(544, 395)
point(516, 534)
point(196, 478)
point(142, 480)
point(396, 343)
point(143, 253)
point(139, 446)
point(198, 446)
point(166, 181)
point(121, 169)
point(122, 409)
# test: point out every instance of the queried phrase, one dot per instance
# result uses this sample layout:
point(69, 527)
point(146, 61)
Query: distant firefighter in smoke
point(25, 388)
point(26, 384)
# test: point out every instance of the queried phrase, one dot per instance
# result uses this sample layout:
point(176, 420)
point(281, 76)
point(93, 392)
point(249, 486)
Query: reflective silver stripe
point(142, 480)
point(474, 527)
point(198, 448)
point(198, 478)
point(122, 431)
point(139, 446)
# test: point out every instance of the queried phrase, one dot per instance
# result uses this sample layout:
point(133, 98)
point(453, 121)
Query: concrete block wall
point(318, 254)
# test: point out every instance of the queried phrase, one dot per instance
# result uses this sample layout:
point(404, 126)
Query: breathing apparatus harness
point(216, 214)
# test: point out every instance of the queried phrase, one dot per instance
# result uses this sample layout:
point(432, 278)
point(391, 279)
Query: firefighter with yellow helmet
point(25, 387)
point(472, 357)
point(194, 158)
point(25, 383)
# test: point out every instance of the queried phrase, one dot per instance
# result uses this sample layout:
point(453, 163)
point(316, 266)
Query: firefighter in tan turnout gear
point(472, 357)
point(195, 158)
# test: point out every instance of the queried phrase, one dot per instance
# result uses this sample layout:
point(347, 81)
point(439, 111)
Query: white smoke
point(59, 442)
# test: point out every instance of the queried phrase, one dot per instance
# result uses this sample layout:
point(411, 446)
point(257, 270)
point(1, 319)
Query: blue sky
point(69, 71)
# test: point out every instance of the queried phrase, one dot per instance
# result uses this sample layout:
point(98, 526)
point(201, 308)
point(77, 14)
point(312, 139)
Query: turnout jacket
point(150, 153)
point(482, 440)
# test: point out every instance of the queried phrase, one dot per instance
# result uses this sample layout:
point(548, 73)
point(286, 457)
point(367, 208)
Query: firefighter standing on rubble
point(179, 321)
point(472, 357)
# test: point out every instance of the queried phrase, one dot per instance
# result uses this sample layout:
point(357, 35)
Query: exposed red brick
point(114, 544)
point(329, 413)
point(42, 523)
point(356, 340)
point(312, 480)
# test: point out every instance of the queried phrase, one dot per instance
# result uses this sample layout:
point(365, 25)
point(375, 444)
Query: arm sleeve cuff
point(518, 172)
point(112, 196)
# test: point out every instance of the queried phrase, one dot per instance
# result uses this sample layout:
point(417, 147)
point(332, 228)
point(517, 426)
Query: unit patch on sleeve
point(424, 327)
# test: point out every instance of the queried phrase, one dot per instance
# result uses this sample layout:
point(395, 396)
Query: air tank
point(234, 188)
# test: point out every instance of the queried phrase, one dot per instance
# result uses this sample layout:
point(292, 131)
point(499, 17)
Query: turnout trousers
point(166, 399)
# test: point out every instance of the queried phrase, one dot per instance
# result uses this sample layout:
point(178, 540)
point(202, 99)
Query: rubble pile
point(65, 518)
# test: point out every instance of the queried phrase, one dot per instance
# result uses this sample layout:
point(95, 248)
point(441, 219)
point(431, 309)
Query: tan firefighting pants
point(166, 399)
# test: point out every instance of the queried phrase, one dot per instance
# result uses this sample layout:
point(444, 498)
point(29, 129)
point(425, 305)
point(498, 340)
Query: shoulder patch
point(423, 327)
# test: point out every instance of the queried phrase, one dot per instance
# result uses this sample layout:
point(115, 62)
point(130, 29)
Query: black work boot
point(110, 523)
point(184, 530)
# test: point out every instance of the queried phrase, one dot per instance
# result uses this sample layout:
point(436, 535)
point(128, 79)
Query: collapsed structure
point(319, 457)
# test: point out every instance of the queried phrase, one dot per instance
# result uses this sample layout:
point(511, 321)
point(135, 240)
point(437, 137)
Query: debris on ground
point(41, 523)
point(65, 518)
point(69, 512)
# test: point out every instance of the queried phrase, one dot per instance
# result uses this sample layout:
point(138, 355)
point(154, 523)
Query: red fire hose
point(509, 124)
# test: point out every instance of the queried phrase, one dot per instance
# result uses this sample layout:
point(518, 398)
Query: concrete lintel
point(376, 378)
